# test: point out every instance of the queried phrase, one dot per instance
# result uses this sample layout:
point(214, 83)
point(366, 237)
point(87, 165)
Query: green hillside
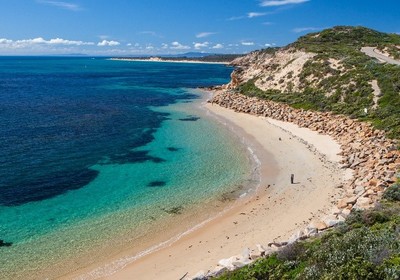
point(349, 85)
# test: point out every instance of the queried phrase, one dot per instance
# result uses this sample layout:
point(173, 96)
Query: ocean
point(100, 156)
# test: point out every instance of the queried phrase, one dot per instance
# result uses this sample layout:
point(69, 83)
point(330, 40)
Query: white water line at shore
point(115, 266)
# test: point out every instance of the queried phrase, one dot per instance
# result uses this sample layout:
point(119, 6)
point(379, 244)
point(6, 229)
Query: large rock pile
point(373, 158)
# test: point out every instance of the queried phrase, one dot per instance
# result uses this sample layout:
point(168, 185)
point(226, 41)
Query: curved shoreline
point(275, 212)
point(221, 202)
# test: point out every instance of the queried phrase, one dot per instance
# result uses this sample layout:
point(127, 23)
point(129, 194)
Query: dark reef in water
point(157, 184)
point(173, 149)
point(46, 187)
point(135, 157)
point(190, 119)
point(5, 244)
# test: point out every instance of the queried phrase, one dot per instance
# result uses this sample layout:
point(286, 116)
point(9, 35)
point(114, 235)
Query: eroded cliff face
point(291, 70)
point(280, 70)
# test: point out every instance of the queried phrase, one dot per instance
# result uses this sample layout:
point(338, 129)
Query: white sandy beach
point(273, 214)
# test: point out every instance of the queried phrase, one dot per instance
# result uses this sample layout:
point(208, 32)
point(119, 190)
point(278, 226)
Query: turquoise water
point(154, 160)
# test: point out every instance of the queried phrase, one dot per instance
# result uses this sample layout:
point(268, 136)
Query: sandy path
point(274, 213)
point(370, 51)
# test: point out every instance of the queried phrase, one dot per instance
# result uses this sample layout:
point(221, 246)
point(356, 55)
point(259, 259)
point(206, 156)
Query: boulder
point(218, 270)
point(363, 203)
point(331, 221)
point(241, 263)
point(319, 225)
point(227, 263)
point(297, 236)
point(310, 231)
point(342, 203)
point(201, 275)
point(345, 212)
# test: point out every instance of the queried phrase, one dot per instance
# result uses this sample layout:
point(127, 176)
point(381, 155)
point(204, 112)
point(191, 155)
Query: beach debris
point(184, 276)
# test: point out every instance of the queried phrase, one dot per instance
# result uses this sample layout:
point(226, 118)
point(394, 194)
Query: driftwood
point(183, 277)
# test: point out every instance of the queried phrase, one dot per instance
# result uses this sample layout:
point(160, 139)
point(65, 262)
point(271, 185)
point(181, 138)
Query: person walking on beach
point(292, 178)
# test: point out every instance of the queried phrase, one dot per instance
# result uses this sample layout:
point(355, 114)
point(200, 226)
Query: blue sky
point(137, 27)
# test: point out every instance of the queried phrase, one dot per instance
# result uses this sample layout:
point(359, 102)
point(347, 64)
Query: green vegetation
point(392, 193)
point(366, 246)
point(346, 89)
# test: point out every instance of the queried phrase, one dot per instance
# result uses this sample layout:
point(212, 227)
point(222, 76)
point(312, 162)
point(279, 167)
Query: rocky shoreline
point(367, 152)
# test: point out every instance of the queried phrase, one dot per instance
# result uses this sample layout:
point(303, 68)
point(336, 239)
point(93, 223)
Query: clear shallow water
point(97, 155)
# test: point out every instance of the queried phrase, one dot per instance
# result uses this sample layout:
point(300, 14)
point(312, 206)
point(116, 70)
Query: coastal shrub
point(392, 193)
point(291, 252)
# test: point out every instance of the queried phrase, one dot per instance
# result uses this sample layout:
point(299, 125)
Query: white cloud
point(40, 41)
point(62, 5)
point(218, 46)
point(59, 41)
point(129, 45)
point(269, 45)
point(304, 29)
point(253, 14)
point(179, 46)
point(4, 41)
point(236, 18)
point(249, 15)
point(164, 46)
point(272, 3)
point(200, 45)
point(108, 43)
point(247, 43)
point(204, 34)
